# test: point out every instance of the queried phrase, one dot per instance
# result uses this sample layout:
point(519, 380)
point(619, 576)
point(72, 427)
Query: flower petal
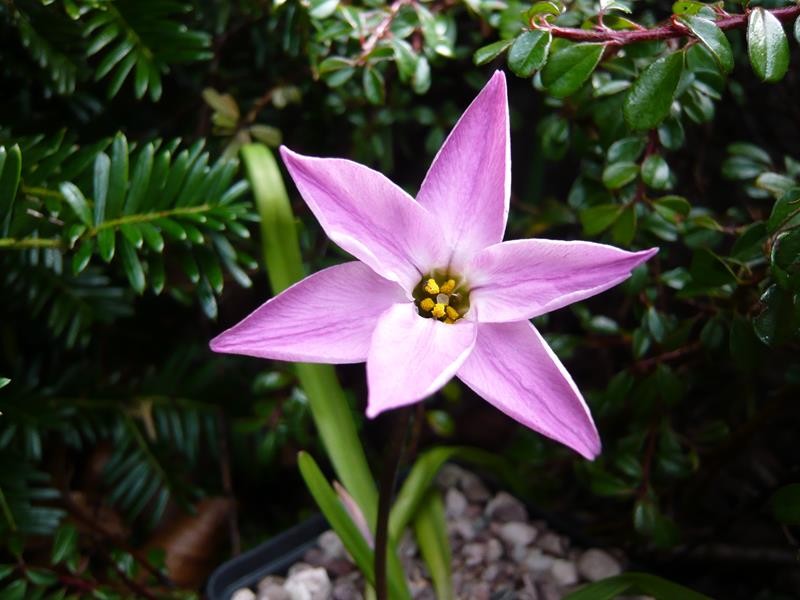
point(328, 317)
point(369, 216)
point(469, 183)
point(514, 369)
point(412, 357)
point(521, 279)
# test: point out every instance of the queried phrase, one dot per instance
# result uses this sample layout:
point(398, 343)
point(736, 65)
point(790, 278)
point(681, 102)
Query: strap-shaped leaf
point(430, 528)
point(330, 505)
point(421, 477)
point(328, 502)
point(652, 585)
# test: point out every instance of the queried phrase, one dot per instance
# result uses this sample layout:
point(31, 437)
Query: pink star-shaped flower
point(435, 292)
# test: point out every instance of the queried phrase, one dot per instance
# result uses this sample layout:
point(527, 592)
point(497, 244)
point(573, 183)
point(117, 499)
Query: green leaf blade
point(488, 53)
point(330, 505)
point(132, 265)
point(713, 38)
point(117, 176)
point(106, 244)
point(374, 86)
point(102, 166)
point(649, 99)
point(569, 68)
point(529, 52)
point(10, 172)
point(76, 201)
point(619, 174)
point(767, 45)
point(430, 528)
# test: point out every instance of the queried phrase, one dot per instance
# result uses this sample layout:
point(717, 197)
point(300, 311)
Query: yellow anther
point(438, 310)
point(452, 313)
point(449, 321)
point(426, 304)
point(448, 286)
point(432, 287)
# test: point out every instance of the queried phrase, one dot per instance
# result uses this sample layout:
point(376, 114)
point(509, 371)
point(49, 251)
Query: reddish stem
point(670, 30)
point(382, 29)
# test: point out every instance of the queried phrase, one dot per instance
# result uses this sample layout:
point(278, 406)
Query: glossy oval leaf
point(713, 38)
point(529, 52)
point(568, 69)
point(650, 97)
point(489, 53)
point(597, 219)
point(374, 87)
point(687, 7)
point(624, 228)
point(767, 45)
point(656, 172)
point(544, 8)
point(619, 174)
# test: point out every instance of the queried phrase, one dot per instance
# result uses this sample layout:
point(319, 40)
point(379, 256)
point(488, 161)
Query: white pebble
point(596, 564)
point(454, 503)
point(331, 545)
point(310, 584)
point(564, 572)
point(517, 534)
point(243, 594)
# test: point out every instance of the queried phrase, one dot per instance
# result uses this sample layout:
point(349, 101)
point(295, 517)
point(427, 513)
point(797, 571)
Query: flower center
point(442, 297)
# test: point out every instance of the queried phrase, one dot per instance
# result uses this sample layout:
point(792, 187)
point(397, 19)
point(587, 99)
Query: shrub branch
point(670, 30)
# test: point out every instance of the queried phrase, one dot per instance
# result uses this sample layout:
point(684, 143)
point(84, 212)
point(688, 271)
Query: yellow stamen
point(426, 304)
point(432, 287)
point(452, 313)
point(448, 286)
point(449, 321)
point(438, 310)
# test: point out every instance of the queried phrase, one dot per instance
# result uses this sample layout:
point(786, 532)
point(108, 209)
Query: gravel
point(497, 554)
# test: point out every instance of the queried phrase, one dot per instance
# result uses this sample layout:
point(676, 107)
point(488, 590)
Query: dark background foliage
point(129, 239)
